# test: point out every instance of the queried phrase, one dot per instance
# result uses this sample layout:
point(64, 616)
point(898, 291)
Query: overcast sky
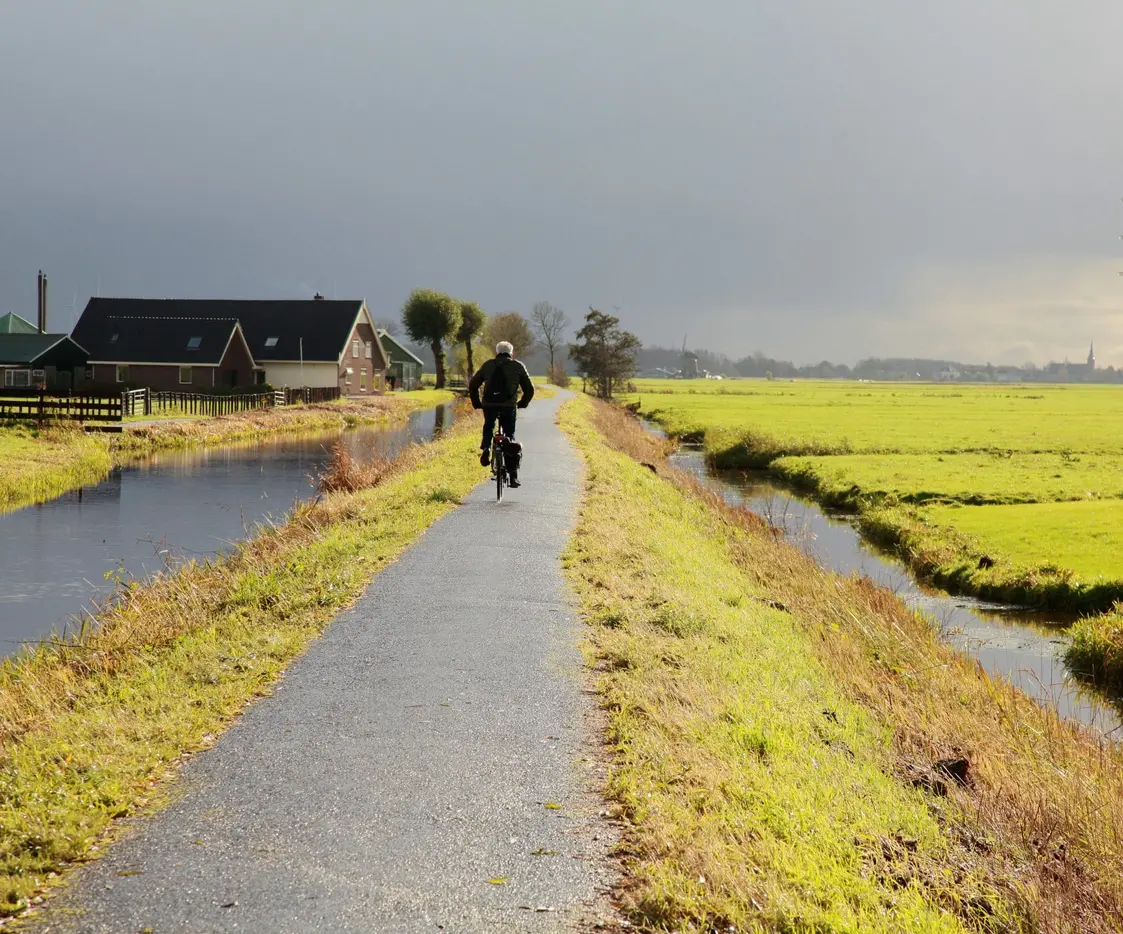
point(809, 179)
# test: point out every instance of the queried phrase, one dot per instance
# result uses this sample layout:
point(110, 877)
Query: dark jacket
point(501, 378)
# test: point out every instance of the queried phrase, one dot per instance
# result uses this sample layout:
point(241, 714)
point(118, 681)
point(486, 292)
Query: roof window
point(194, 343)
point(271, 341)
point(113, 337)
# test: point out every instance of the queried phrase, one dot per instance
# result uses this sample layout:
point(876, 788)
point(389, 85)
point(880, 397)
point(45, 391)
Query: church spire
point(1092, 356)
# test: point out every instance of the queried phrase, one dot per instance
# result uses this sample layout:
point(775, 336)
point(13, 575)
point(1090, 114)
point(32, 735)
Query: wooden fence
point(34, 405)
point(142, 402)
point(309, 394)
point(40, 406)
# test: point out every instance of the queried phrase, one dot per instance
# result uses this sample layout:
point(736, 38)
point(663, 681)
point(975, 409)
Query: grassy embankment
point(776, 734)
point(90, 731)
point(38, 466)
point(1007, 493)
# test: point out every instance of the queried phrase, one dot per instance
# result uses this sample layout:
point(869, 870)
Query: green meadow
point(1006, 492)
point(761, 420)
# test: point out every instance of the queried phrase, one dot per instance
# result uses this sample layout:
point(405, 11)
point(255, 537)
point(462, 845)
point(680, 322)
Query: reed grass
point(788, 745)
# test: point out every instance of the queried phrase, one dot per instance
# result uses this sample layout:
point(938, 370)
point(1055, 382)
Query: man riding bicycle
point(501, 379)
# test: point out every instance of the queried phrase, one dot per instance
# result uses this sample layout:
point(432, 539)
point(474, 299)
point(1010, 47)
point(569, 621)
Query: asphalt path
point(426, 766)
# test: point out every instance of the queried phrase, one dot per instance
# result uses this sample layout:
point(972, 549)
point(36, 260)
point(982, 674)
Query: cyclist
point(501, 379)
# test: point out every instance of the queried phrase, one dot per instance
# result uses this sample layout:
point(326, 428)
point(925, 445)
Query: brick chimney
point(42, 303)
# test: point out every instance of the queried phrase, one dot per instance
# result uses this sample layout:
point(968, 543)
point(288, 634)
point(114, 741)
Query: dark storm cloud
point(808, 178)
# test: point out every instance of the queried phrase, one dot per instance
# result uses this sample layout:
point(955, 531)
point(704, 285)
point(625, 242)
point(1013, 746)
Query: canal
point(1010, 642)
point(57, 559)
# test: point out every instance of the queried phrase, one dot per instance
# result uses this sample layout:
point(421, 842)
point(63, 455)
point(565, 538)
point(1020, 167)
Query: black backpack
point(502, 384)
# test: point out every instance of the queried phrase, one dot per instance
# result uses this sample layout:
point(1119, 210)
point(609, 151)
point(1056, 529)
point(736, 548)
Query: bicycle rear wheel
point(500, 474)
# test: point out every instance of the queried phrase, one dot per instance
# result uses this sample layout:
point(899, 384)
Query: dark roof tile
point(323, 326)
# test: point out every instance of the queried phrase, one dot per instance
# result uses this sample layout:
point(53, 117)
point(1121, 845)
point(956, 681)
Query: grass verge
point(1095, 650)
point(796, 752)
point(40, 465)
point(225, 429)
point(89, 728)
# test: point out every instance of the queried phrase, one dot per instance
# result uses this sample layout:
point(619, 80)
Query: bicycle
point(499, 463)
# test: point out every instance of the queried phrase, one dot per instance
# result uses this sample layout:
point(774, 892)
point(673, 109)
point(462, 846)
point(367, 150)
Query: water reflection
point(1022, 646)
point(55, 558)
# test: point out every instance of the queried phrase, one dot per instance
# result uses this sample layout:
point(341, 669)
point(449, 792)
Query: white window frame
point(190, 376)
point(363, 379)
point(370, 349)
point(121, 373)
point(355, 348)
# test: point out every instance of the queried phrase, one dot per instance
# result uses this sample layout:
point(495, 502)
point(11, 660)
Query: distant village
point(662, 362)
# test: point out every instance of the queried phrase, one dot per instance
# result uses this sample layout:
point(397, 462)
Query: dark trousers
point(506, 416)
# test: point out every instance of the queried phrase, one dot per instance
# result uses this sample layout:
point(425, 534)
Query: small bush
point(558, 376)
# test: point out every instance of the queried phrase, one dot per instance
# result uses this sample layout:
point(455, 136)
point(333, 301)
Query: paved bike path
point(404, 762)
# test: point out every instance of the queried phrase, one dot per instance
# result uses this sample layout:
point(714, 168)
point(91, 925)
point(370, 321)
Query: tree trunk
point(439, 358)
point(471, 364)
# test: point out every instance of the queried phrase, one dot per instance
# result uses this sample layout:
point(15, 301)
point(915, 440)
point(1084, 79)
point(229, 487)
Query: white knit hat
point(504, 347)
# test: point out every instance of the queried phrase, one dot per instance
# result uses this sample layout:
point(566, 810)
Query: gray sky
point(810, 179)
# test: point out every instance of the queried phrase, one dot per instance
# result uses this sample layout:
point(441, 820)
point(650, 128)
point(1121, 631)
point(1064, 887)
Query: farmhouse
point(313, 342)
point(405, 366)
point(186, 353)
point(31, 359)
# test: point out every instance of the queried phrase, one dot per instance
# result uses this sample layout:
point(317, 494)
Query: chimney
point(43, 308)
point(318, 297)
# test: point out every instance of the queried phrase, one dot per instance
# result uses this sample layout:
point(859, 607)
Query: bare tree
point(512, 327)
point(549, 324)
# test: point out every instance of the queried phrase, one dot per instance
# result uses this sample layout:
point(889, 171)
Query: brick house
point(312, 342)
point(180, 353)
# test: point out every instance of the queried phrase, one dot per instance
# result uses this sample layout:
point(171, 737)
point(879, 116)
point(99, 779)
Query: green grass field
point(971, 479)
point(1085, 538)
point(1007, 492)
point(770, 419)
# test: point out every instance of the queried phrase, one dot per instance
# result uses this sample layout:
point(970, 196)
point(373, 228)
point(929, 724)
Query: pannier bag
point(513, 453)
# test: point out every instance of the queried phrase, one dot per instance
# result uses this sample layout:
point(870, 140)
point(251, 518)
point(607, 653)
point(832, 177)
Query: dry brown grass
point(259, 422)
point(1042, 811)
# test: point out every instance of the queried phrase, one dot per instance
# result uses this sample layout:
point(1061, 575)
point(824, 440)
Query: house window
point(271, 341)
point(185, 375)
point(17, 378)
point(355, 348)
point(259, 377)
point(369, 347)
point(363, 379)
point(89, 373)
point(122, 373)
point(39, 377)
point(194, 343)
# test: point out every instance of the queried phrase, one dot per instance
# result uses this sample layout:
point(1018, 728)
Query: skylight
point(271, 341)
point(113, 338)
point(193, 343)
